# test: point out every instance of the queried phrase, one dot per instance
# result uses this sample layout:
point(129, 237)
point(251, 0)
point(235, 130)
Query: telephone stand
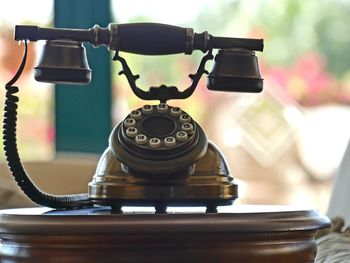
point(264, 234)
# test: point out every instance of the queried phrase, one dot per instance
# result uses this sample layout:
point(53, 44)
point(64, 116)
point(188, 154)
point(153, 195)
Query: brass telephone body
point(163, 169)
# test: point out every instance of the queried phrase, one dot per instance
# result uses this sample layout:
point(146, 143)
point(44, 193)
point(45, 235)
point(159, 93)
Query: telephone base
point(210, 185)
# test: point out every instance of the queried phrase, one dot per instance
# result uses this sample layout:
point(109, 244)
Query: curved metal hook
point(163, 92)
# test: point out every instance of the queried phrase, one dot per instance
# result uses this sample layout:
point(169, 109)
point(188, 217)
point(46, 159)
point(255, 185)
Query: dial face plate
point(158, 127)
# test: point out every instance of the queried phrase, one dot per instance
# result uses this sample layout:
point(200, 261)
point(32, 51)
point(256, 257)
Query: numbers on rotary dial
point(184, 130)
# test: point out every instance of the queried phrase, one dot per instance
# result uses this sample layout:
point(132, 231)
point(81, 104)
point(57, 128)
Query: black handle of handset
point(140, 38)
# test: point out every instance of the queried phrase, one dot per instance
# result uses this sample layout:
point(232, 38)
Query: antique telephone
point(158, 156)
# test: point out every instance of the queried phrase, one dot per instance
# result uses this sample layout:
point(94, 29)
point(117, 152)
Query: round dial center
point(158, 126)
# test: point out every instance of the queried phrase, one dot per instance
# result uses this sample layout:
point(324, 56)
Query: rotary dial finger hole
point(187, 127)
point(181, 136)
point(175, 111)
point(184, 118)
point(162, 107)
point(135, 114)
point(131, 132)
point(154, 142)
point(141, 139)
point(129, 122)
point(147, 109)
point(169, 141)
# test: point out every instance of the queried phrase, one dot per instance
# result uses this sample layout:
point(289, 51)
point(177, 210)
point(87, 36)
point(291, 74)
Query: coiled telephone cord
point(14, 161)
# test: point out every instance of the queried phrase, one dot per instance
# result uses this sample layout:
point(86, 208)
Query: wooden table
point(246, 234)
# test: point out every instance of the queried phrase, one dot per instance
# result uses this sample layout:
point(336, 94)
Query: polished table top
point(254, 234)
point(234, 218)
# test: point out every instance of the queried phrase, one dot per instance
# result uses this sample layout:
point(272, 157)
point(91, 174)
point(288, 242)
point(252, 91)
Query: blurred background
point(283, 146)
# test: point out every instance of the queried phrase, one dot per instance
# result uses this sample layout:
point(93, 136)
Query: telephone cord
point(14, 161)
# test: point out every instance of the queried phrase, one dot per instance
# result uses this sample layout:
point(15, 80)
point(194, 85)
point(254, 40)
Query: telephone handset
point(158, 155)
